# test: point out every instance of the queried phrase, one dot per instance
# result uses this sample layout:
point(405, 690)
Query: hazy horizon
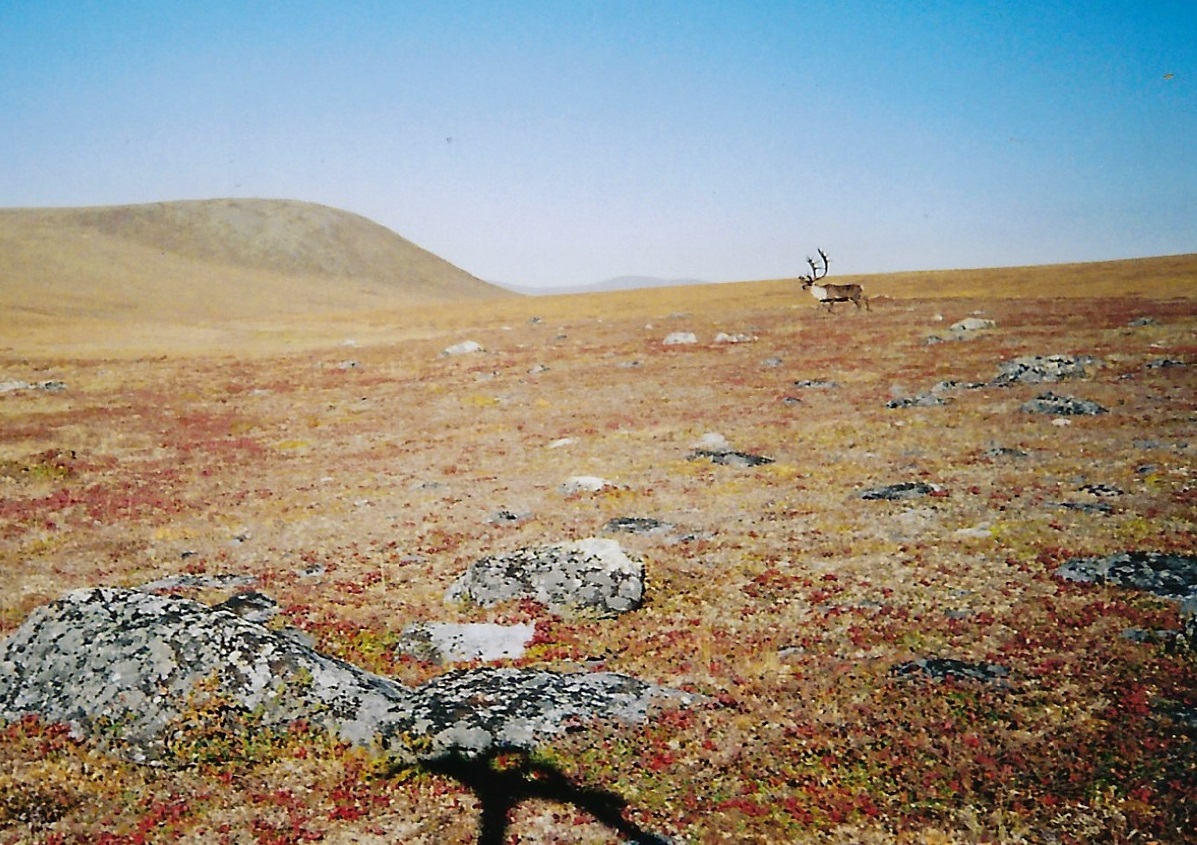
point(543, 144)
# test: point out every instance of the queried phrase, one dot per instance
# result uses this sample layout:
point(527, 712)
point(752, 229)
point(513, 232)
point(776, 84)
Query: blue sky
point(567, 142)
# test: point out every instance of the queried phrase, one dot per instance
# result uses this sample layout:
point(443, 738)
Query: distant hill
point(211, 260)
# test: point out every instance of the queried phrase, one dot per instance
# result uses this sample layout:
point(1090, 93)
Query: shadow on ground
point(501, 780)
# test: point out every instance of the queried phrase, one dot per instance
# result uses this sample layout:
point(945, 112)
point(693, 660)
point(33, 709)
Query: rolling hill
point(208, 261)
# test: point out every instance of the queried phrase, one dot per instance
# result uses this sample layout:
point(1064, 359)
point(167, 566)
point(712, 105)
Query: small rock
point(198, 582)
point(637, 525)
point(971, 324)
point(447, 642)
point(466, 347)
point(1038, 369)
point(942, 668)
point(714, 441)
point(584, 484)
point(900, 491)
point(739, 337)
point(1093, 508)
point(729, 458)
point(506, 517)
point(680, 339)
point(251, 606)
point(1050, 403)
point(816, 384)
point(1004, 452)
point(923, 400)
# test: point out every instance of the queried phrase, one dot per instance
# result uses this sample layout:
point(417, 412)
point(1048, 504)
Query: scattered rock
point(971, 324)
point(198, 582)
point(1039, 369)
point(941, 668)
point(466, 347)
point(592, 574)
point(637, 525)
point(901, 490)
point(1092, 508)
point(680, 339)
point(448, 642)
point(125, 667)
point(975, 532)
point(251, 606)
point(729, 457)
point(13, 385)
point(1169, 575)
point(1164, 364)
point(1102, 490)
point(506, 517)
point(996, 451)
point(922, 400)
point(714, 441)
point(1050, 403)
point(584, 484)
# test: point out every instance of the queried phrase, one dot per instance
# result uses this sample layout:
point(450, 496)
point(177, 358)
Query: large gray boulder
point(134, 661)
point(126, 668)
point(592, 575)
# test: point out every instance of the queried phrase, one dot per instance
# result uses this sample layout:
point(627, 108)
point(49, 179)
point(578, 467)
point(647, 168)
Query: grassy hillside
point(211, 261)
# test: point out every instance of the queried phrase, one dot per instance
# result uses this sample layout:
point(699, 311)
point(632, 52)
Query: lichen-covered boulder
point(516, 708)
point(592, 574)
point(132, 670)
point(1166, 574)
point(128, 664)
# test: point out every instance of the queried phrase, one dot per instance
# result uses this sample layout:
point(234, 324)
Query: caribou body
point(829, 295)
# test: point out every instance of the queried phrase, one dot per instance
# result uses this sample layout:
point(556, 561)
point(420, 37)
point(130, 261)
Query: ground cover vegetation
point(356, 482)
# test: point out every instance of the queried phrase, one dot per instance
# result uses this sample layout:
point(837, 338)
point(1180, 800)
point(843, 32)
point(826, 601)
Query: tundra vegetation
point(873, 669)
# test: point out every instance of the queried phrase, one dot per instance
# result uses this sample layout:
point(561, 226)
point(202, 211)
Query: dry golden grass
point(268, 446)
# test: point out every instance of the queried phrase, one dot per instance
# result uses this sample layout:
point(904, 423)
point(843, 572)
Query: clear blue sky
point(566, 142)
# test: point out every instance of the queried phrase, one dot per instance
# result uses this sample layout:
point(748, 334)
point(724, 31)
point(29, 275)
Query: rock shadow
point(502, 780)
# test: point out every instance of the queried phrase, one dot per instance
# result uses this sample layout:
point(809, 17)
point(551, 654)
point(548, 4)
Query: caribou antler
point(817, 272)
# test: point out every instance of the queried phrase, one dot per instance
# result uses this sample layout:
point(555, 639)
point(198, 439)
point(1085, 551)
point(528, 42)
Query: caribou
point(829, 295)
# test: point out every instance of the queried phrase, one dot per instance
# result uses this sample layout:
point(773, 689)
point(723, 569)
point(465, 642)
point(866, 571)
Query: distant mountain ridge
point(616, 283)
point(215, 259)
